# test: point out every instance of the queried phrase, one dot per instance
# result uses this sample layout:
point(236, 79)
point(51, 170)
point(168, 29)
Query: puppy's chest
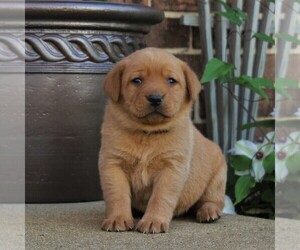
point(140, 161)
point(141, 174)
point(140, 170)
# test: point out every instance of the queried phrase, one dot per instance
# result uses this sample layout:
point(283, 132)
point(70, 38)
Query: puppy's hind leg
point(210, 205)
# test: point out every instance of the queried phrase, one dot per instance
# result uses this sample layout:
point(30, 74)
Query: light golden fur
point(156, 162)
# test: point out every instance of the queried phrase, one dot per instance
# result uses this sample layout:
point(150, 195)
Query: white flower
point(274, 113)
point(297, 113)
point(281, 170)
point(283, 151)
point(229, 207)
point(256, 152)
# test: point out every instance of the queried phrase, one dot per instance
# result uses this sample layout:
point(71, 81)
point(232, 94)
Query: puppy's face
point(152, 86)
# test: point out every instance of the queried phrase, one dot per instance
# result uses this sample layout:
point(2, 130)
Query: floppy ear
point(112, 82)
point(192, 82)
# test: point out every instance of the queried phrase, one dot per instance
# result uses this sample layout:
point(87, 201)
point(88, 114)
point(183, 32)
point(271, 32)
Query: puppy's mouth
point(154, 112)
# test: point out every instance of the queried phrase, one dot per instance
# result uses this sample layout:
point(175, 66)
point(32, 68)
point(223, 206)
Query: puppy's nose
point(155, 99)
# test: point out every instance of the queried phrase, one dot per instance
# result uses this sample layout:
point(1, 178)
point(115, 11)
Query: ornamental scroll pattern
point(70, 48)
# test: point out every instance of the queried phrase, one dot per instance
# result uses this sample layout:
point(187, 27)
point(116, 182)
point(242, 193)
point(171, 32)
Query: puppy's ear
point(192, 82)
point(112, 82)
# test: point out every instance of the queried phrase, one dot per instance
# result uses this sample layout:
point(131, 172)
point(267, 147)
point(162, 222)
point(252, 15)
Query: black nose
point(155, 99)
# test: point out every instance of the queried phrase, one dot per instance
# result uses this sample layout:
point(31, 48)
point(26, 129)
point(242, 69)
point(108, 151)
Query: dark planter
point(70, 46)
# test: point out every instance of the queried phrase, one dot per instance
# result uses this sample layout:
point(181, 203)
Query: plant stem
point(246, 110)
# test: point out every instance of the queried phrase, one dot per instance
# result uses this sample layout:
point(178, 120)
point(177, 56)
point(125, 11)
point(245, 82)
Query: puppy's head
point(152, 86)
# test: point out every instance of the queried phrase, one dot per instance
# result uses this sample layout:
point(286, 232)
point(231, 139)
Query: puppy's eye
point(171, 80)
point(137, 81)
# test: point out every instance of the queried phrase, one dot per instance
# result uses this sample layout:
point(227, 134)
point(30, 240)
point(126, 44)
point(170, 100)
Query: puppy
point(152, 158)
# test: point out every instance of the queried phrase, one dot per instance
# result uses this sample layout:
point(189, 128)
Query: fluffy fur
point(153, 158)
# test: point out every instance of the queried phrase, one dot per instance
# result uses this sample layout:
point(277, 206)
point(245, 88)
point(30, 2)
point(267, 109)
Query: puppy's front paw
point(208, 212)
point(117, 224)
point(152, 225)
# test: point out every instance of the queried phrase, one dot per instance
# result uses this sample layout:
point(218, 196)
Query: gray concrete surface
point(77, 226)
point(287, 234)
point(12, 226)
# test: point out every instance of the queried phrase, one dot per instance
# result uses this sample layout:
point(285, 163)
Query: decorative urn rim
point(91, 15)
point(71, 36)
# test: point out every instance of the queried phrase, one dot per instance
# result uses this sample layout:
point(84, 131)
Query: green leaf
point(223, 2)
point(288, 38)
point(293, 163)
point(224, 79)
point(281, 83)
point(231, 16)
point(241, 13)
point(264, 37)
point(269, 123)
point(214, 69)
point(269, 163)
point(284, 93)
point(262, 82)
point(235, 15)
point(252, 83)
point(240, 162)
point(269, 177)
point(272, 1)
point(243, 187)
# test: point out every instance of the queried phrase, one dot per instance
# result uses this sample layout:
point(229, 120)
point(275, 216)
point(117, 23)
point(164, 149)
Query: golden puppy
point(152, 158)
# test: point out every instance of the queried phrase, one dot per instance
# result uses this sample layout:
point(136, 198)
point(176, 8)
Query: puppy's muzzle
point(155, 99)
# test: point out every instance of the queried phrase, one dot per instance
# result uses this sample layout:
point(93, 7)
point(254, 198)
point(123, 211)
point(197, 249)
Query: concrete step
point(77, 226)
